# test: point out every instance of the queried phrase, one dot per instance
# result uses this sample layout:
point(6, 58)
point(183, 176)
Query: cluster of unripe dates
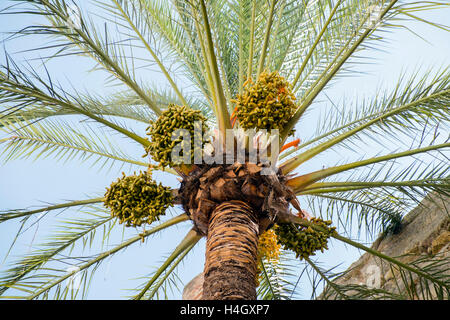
point(137, 199)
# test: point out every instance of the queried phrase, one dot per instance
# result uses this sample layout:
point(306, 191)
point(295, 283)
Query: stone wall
point(194, 289)
point(424, 236)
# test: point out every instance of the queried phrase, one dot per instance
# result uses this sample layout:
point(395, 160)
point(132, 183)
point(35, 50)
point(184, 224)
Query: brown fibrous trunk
point(231, 205)
point(231, 253)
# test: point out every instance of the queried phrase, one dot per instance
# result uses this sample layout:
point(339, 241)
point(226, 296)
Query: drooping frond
point(377, 206)
point(370, 213)
point(125, 105)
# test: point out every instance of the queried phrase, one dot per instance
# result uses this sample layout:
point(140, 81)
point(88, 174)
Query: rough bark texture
point(231, 253)
point(425, 233)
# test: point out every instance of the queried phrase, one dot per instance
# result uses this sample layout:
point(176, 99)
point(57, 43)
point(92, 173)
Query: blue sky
point(25, 183)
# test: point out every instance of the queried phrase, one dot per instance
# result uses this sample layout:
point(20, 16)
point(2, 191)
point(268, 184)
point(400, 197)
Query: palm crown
point(243, 64)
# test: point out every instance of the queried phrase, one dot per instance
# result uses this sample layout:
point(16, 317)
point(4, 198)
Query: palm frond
point(406, 285)
point(41, 283)
point(24, 213)
point(211, 61)
point(324, 275)
point(62, 141)
point(378, 197)
point(83, 38)
point(177, 31)
point(80, 229)
point(371, 213)
point(125, 105)
point(429, 275)
point(212, 47)
point(333, 290)
point(304, 180)
point(350, 29)
point(412, 9)
point(19, 90)
point(276, 278)
point(163, 272)
point(131, 14)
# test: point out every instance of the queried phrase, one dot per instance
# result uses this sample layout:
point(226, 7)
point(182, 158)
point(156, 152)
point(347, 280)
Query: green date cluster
point(137, 199)
point(304, 241)
point(267, 104)
point(160, 132)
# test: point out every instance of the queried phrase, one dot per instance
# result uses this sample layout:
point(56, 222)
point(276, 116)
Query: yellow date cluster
point(268, 246)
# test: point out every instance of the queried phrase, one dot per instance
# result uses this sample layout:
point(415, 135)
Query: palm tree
point(244, 64)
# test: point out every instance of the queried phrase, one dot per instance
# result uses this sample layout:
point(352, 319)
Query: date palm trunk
point(231, 253)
